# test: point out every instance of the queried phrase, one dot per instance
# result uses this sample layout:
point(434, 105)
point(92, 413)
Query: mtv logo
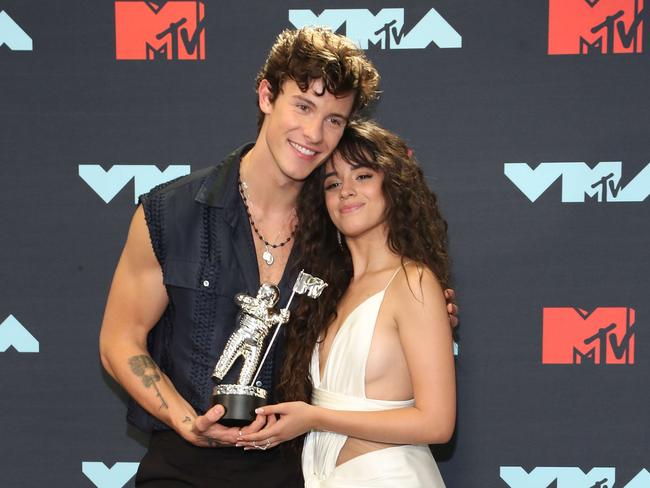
point(595, 26)
point(576, 336)
point(14, 334)
point(385, 29)
point(152, 30)
point(103, 477)
point(12, 35)
point(562, 477)
point(109, 183)
point(601, 183)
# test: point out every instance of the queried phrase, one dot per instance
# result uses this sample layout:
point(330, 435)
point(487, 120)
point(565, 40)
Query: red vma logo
point(595, 26)
point(575, 336)
point(160, 29)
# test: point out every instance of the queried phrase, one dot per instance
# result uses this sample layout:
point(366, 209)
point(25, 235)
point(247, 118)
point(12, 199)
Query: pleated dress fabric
point(342, 387)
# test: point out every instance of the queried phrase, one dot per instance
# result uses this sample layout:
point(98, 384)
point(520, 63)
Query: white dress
point(342, 387)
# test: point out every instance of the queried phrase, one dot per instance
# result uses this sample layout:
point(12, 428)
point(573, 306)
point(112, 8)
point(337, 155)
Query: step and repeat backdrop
point(531, 119)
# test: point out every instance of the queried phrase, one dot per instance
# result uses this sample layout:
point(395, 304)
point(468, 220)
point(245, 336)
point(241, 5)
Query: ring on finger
point(265, 446)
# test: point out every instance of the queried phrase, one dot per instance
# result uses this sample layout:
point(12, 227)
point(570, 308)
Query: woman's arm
point(425, 336)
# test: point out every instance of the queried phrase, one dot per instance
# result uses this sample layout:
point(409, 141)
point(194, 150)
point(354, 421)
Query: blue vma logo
point(103, 477)
point(14, 334)
point(386, 29)
point(602, 183)
point(109, 183)
point(13, 35)
point(568, 477)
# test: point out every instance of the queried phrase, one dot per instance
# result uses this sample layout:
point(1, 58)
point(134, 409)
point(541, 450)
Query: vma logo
point(595, 26)
point(160, 29)
point(575, 336)
point(109, 183)
point(565, 477)
point(12, 35)
point(14, 334)
point(103, 477)
point(386, 29)
point(601, 183)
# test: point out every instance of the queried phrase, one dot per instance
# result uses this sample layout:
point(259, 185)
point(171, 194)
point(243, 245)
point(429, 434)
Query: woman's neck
point(370, 252)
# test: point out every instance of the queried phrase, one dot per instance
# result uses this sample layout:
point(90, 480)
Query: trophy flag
point(305, 283)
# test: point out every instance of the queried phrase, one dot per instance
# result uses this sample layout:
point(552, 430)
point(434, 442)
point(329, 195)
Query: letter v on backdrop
point(107, 184)
point(12, 35)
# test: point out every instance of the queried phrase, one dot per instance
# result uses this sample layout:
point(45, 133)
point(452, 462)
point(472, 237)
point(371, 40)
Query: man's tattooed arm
point(146, 369)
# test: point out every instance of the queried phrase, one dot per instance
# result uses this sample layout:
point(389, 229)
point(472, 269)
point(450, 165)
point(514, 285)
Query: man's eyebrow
point(304, 100)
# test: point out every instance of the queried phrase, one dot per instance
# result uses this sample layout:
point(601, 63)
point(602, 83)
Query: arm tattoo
point(186, 420)
point(144, 367)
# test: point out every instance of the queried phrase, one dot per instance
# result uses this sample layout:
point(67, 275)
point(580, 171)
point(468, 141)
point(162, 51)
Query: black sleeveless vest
point(202, 239)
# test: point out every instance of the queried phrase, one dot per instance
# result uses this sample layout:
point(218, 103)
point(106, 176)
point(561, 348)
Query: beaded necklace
point(267, 256)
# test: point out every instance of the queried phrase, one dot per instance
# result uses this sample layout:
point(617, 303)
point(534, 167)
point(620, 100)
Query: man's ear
point(265, 97)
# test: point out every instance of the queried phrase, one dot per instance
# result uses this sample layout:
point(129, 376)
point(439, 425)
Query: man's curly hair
point(312, 53)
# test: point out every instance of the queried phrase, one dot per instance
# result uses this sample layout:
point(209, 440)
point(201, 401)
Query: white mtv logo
point(109, 183)
point(601, 182)
point(568, 477)
point(12, 35)
point(103, 477)
point(385, 29)
point(14, 334)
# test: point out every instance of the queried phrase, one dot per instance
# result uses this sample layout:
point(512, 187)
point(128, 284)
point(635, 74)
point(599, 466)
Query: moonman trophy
point(255, 321)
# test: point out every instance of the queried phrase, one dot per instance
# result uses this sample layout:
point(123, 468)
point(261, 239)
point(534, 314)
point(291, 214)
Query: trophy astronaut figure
point(256, 319)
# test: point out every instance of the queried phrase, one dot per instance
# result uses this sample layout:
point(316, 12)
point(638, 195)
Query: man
point(196, 242)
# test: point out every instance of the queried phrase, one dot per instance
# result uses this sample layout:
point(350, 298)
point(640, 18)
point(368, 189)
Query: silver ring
point(240, 434)
point(265, 446)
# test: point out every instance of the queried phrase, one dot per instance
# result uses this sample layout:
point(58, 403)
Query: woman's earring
point(338, 238)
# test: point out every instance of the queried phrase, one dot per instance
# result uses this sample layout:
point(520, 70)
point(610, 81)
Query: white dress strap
point(395, 274)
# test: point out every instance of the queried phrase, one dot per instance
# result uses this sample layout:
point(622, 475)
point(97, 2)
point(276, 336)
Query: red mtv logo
point(159, 29)
point(595, 26)
point(575, 336)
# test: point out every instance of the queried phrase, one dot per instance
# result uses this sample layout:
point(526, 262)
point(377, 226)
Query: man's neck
point(271, 191)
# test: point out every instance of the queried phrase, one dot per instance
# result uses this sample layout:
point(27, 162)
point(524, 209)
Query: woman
point(379, 352)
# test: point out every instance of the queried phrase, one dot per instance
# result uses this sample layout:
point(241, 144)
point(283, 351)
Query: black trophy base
point(240, 402)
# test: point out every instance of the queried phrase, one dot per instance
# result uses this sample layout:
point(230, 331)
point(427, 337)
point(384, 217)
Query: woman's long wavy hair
point(416, 231)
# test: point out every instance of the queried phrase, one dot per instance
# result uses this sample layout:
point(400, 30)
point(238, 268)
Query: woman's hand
point(296, 418)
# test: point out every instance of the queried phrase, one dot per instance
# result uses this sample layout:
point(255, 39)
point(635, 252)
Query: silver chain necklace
point(267, 256)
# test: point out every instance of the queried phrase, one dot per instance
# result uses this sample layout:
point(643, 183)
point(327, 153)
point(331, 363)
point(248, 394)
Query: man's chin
point(301, 174)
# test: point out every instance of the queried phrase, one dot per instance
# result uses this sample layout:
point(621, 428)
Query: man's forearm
point(141, 377)
point(144, 367)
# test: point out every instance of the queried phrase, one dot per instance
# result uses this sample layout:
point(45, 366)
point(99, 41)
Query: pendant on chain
point(267, 256)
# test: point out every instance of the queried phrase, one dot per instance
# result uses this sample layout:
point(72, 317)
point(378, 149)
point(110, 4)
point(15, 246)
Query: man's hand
point(452, 308)
point(206, 431)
